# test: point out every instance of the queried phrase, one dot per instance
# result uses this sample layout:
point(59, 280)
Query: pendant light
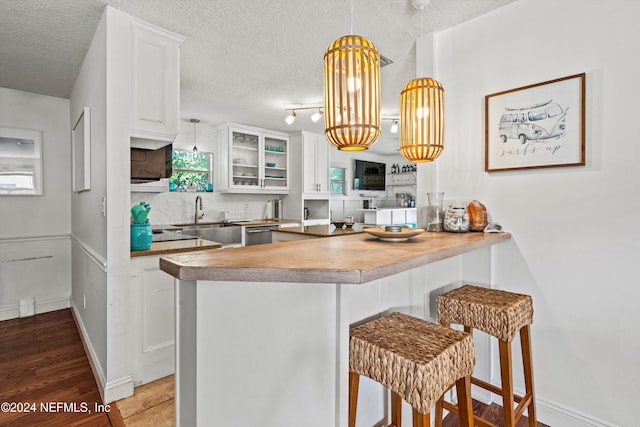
point(195, 146)
point(422, 117)
point(352, 92)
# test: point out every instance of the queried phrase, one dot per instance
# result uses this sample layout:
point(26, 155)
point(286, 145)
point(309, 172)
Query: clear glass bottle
point(456, 218)
point(434, 211)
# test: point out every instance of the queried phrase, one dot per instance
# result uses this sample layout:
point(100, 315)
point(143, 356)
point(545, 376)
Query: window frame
point(345, 186)
point(209, 171)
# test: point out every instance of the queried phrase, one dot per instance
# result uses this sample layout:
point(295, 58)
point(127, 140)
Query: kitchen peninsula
point(262, 332)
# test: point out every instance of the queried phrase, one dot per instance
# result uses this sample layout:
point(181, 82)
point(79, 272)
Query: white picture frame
point(537, 126)
point(81, 152)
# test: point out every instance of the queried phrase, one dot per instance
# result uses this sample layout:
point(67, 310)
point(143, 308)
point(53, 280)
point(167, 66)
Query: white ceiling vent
point(384, 61)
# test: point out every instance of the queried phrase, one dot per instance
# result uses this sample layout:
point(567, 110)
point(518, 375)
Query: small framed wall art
point(81, 152)
point(536, 126)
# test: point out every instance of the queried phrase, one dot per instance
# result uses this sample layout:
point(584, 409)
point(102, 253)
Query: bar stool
point(501, 314)
point(417, 360)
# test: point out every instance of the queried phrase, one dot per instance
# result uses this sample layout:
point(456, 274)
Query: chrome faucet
point(196, 217)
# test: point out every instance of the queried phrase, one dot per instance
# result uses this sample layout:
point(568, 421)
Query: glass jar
point(434, 211)
point(456, 218)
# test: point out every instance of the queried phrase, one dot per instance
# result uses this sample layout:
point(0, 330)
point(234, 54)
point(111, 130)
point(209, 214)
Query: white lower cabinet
point(152, 321)
point(397, 216)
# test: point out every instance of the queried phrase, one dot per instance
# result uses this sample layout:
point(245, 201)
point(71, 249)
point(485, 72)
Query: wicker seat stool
point(417, 360)
point(501, 314)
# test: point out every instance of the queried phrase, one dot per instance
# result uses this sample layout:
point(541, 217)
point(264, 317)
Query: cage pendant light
point(352, 93)
point(422, 120)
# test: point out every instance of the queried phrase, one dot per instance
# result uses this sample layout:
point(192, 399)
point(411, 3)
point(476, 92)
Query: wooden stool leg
point(527, 362)
point(439, 411)
point(396, 410)
point(507, 383)
point(465, 410)
point(421, 420)
point(354, 382)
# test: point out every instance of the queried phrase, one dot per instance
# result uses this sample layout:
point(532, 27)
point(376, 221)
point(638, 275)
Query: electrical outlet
point(103, 206)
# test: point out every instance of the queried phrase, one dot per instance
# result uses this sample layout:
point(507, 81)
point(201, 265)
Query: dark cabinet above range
point(150, 165)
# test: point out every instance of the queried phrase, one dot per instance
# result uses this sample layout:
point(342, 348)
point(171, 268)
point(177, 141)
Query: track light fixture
point(292, 115)
point(394, 126)
point(317, 115)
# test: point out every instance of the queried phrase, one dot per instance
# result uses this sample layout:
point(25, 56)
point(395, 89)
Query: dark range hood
point(150, 165)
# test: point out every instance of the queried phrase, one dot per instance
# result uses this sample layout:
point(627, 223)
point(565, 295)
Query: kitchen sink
point(205, 225)
point(223, 233)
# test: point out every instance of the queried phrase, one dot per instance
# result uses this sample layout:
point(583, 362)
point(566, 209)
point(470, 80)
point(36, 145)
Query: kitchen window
point(337, 177)
point(191, 171)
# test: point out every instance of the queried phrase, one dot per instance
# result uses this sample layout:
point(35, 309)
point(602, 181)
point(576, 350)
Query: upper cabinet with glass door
point(253, 160)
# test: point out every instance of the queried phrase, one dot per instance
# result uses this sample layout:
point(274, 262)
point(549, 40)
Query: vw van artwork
point(534, 123)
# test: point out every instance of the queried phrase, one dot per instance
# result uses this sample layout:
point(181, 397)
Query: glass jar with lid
point(456, 218)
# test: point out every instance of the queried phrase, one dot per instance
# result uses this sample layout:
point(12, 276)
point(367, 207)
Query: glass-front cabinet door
point(275, 172)
point(245, 159)
point(258, 160)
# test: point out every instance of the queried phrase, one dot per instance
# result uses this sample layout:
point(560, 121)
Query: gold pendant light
point(352, 93)
point(421, 113)
point(422, 120)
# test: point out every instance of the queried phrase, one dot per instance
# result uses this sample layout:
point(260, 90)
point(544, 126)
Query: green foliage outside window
point(190, 169)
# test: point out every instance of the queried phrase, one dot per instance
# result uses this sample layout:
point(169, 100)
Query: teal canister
point(141, 236)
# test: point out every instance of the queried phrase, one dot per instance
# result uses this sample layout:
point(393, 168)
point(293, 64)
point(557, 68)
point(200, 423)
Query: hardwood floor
point(45, 374)
point(491, 413)
point(152, 405)
point(43, 367)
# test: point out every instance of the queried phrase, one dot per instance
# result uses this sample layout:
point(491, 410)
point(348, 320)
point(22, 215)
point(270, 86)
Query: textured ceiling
point(242, 61)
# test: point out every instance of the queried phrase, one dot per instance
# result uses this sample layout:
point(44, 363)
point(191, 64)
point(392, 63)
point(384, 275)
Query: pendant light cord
point(351, 28)
point(421, 28)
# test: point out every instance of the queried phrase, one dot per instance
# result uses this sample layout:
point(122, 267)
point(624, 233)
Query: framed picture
point(20, 162)
point(81, 152)
point(536, 126)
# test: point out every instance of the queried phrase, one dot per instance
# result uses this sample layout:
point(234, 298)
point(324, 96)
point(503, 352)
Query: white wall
point(34, 230)
point(575, 242)
point(101, 239)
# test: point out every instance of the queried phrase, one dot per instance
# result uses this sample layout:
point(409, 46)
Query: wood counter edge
point(329, 276)
point(180, 247)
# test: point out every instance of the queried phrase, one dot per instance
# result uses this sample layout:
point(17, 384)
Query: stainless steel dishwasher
point(258, 234)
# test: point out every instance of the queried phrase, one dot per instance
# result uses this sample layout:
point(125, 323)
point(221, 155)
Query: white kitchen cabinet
point(311, 160)
point(155, 85)
point(315, 164)
point(152, 320)
point(398, 216)
point(253, 160)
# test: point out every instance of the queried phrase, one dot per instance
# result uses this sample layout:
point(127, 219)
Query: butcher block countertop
point(319, 230)
point(350, 259)
point(177, 246)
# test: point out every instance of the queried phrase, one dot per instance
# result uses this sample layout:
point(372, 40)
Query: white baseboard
point(52, 305)
point(555, 414)
point(42, 306)
point(111, 390)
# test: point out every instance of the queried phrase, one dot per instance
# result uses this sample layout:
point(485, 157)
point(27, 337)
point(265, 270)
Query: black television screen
point(369, 175)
